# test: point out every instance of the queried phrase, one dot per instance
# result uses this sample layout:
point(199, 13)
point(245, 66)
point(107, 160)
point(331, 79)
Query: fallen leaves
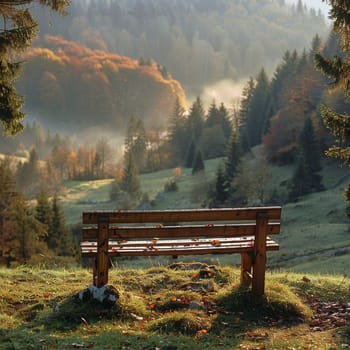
point(329, 315)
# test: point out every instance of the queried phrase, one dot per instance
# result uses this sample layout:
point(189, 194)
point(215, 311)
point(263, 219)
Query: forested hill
point(198, 41)
point(71, 83)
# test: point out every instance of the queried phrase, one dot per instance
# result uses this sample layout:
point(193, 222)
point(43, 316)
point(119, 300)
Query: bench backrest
point(227, 222)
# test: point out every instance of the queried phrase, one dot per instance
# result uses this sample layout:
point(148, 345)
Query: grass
point(39, 309)
point(315, 230)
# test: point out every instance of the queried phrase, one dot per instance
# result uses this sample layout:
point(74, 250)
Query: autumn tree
point(17, 32)
point(24, 234)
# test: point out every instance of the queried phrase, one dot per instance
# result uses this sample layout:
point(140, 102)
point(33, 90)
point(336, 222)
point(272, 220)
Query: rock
point(196, 306)
point(106, 295)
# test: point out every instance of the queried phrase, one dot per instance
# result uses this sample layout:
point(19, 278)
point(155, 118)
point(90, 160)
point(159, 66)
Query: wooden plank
point(102, 255)
point(185, 215)
point(229, 230)
point(259, 264)
point(89, 249)
point(246, 269)
point(170, 251)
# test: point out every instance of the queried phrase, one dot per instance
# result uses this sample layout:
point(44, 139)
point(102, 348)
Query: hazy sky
point(316, 4)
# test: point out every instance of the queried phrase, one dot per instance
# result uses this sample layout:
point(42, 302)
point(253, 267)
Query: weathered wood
point(186, 215)
point(227, 230)
point(182, 247)
point(102, 252)
point(259, 260)
point(183, 232)
point(246, 269)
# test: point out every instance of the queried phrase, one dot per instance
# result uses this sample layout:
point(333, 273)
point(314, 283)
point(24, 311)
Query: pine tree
point(7, 193)
point(310, 147)
point(17, 33)
point(136, 142)
point(233, 156)
point(190, 154)
point(59, 235)
point(338, 69)
point(176, 134)
point(300, 182)
point(221, 193)
point(244, 111)
point(306, 178)
point(259, 109)
point(195, 119)
point(43, 210)
point(130, 181)
point(198, 164)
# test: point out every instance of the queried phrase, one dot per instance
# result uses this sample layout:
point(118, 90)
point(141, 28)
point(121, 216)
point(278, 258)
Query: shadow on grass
point(242, 311)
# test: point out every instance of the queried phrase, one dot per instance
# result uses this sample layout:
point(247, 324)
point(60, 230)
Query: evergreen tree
point(338, 69)
point(198, 164)
point(306, 178)
point(224, 120)
point(59, 235)
point(312, 153)
point(300, 182)
point(221, 193)
point(244, 111)
point(190, 154)
point(43, 210)
point(195, 119)
point(136, 142)
point(18, 30)
point(213, 116)
point(130, 181)
point(259, 110)
point(28, 174)
point(216, 132)
point(7, 193)
point(176, 134)
point(233, 155)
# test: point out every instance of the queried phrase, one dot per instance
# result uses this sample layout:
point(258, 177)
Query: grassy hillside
point(167, 309)
point(315, 231)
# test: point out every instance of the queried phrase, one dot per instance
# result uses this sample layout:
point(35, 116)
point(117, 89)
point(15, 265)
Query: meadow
point(170, 305)
point(172, 309)
point(314, 235)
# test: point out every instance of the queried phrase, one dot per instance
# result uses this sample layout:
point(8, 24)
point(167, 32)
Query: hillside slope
point(315, 230)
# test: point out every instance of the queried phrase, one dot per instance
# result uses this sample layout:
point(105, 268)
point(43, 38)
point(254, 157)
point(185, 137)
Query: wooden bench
point(108, 234)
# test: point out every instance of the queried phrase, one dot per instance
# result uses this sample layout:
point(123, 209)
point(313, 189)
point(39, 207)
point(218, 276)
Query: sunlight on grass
point(161, 307)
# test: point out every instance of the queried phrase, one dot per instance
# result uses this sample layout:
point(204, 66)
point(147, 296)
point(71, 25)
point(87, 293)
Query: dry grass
point(158, 308)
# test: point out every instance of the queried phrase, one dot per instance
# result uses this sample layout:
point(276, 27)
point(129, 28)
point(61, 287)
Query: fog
point(226, 91)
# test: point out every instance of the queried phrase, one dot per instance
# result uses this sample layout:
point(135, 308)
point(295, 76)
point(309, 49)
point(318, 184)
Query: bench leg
point(259, 264)
point(94, 272)
point(102, 254)
point(246, 269)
